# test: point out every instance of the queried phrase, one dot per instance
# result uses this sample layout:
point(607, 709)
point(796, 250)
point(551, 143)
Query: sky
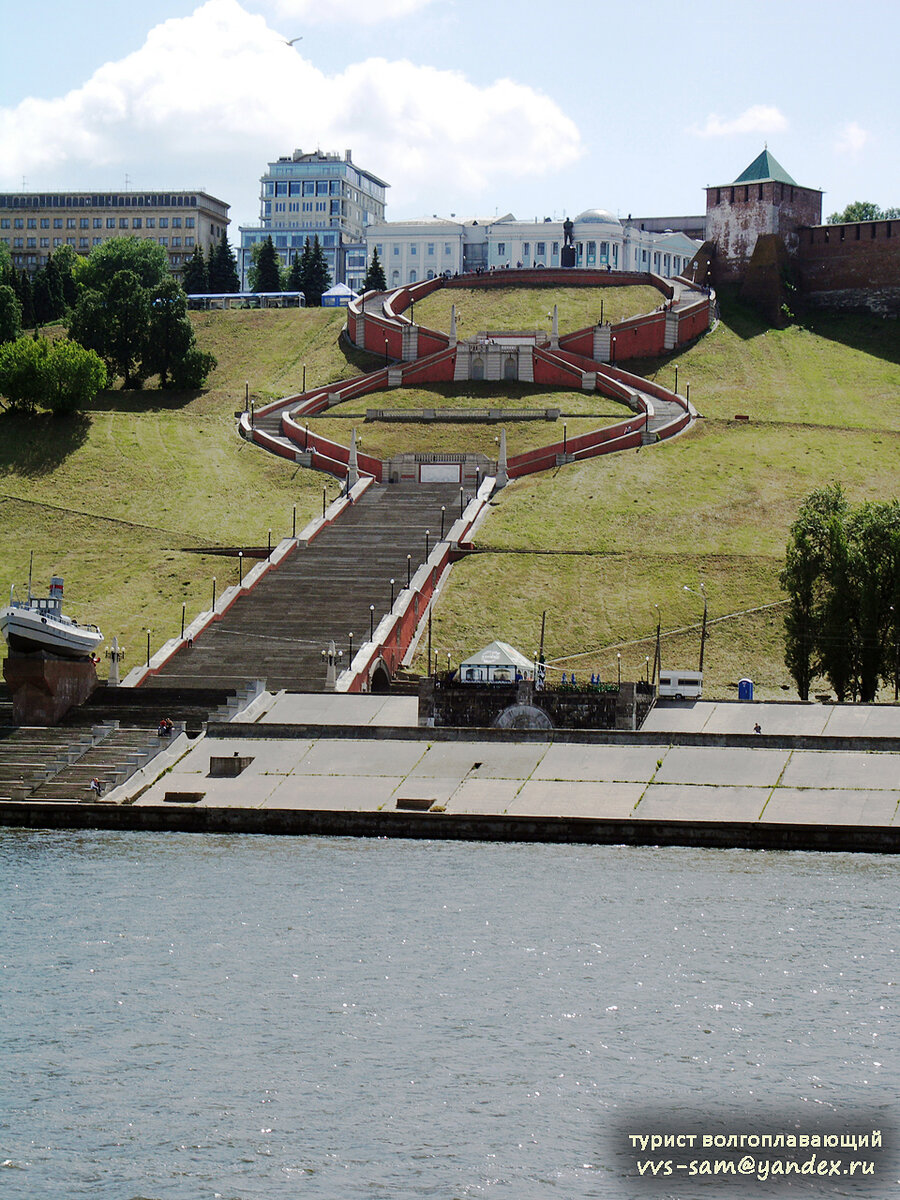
point(463, 107)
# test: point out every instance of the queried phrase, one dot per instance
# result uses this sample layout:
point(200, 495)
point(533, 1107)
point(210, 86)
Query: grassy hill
point(112, 499)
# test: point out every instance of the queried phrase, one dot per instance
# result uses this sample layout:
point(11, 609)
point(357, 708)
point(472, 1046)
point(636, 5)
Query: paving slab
point(686, 802)
point(867, 720)
point(678, 716)
point(851, 769)
point(500, 760)
point(573, 798)
point(789, 719)
point(484, 796)
point(832, 806)
point(240, 792)
point(335, 756)
point(437, 788)
point(270, 756)
point(351, 792)
point(306, 708)
point(722, 765)
point(608, 763)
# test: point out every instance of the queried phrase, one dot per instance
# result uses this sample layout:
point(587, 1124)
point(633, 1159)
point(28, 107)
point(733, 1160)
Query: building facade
point(34, 224)
point(411, 251)
point(316, 194)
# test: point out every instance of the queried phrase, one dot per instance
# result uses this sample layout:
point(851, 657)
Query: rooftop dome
point(598, 216)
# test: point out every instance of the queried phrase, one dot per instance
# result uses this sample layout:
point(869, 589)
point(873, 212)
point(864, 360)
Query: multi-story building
point(34, 224)
point(414, 250)
point(305, 195)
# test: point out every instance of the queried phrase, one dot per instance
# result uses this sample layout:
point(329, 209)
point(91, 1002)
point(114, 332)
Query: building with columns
point(411, 251)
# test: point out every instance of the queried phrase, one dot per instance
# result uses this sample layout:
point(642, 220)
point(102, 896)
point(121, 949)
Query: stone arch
point(380, 677)
point(478, 367)
point(522, 716)
point(511, 367)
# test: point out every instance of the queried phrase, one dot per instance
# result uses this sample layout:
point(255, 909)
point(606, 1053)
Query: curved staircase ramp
point(318, 593)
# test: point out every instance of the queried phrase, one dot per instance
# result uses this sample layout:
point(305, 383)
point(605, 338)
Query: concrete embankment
point(454, 827)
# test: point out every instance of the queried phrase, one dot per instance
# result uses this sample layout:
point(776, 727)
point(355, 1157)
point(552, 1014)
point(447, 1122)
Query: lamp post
point(443, 514)
point(676, 379)
point(619, 666)
point(214, 594)
point(350, 639)
point(392, 595)
point(386, 363)
point(240, 568)
point(461, 494)
point(371, 622)
point(565, 438)
point(702, 594)
point(324, 495)
point(614, 352)
point(601, 310)
point(408, 569)
point(183, 607)
point(427, 536)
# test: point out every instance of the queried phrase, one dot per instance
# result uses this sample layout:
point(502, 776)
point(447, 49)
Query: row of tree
point(120, 304)
point(308, 272)
point(842, 576)
point(863, 210)
point(216, 272)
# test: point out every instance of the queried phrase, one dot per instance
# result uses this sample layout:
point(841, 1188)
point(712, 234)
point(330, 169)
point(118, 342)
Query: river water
point(254, 1018)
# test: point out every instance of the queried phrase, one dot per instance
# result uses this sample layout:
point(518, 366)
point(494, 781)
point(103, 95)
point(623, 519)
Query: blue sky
point(464, 107)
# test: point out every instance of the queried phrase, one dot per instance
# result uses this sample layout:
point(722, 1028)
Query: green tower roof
point(765, 167)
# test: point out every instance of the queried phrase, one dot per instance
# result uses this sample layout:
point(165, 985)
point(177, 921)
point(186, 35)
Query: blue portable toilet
point(745, 689)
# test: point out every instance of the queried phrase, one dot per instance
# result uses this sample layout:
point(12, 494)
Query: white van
point(681, 685)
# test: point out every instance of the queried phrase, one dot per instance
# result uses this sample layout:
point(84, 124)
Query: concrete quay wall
point(455, 827)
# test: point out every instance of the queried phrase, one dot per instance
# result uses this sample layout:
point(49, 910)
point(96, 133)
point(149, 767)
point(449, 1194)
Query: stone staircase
point(318, 593)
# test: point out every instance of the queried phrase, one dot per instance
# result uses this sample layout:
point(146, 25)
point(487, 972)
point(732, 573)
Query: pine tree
point(194, 277)
point(26, 298)
point(295, 276)
point(223, 272)
point(375, 280)
point(266, 270)
point(318, 277)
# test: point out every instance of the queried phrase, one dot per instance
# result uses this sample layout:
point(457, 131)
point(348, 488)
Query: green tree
point(72, 377)
point(265, 271)
point(294, 282)
point(25, 292)
point(170, 348)
point(22, 373)
point(195, 277)
point(223, 272)
point(317, 278)
point(49, 304)
point(375, 279)
point(69, 264)
point(10, 314)
point(114, 323)
point(863, 210)
point(145, 259)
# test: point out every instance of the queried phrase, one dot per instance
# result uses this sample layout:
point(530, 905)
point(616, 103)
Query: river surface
point(256, 1018)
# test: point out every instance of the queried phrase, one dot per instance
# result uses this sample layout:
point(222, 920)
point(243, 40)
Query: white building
point(411, 251)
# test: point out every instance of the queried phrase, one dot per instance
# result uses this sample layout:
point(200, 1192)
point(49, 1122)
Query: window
point(431, 249)
point(176, 241)
point(70, 222)
point(83, 243)
point(45, 243)
point(31, 243)
point(98, 222)
point(176, 221)
point(164, 222)
point(526, 249)
point(307, 205)
point(45, 222)
point(151, 222)
point(164, 241)
point(32, 223)
point(84, 223)
point(136, 223)
point(501, 248)
point(57, 241)
point(110, 222)
point(556, 247)
point(98, 241)
point(4, 222)
point(412, 250)
point(320, 206)
point(448, 249)
point(70, 242)
point(396, 250)
point(18, 223)
point(123, 222)
point(188, 241)
point(189, 222)
point(57, 222)
point(540, 249)
point(321, 187)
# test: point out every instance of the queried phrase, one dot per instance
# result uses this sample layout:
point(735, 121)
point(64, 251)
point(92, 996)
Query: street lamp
point(619, 666)
point(614, 352)
point(408, 569)
point(676, 379)
point(240, 568)
point(702, 594)
point(392, 595)
point(386, 353)
point(443, 514)
point(427, 536)
point(371, 622)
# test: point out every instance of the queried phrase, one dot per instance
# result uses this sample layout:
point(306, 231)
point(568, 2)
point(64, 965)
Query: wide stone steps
point(318, 593)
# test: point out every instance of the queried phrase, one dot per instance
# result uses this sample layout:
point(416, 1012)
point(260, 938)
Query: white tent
point(337, 296)
point(497, 663)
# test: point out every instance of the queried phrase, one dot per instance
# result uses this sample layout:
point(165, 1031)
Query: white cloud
point(759, 118)
point(336, 12)
point(210, 98)
point(851, 138)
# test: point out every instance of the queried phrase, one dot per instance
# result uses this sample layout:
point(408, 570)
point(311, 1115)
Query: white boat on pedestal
point(39, 623)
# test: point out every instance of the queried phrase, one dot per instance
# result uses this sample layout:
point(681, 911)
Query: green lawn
point(507, 308)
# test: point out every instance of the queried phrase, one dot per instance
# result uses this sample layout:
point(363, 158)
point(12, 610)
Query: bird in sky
point(296, 39)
